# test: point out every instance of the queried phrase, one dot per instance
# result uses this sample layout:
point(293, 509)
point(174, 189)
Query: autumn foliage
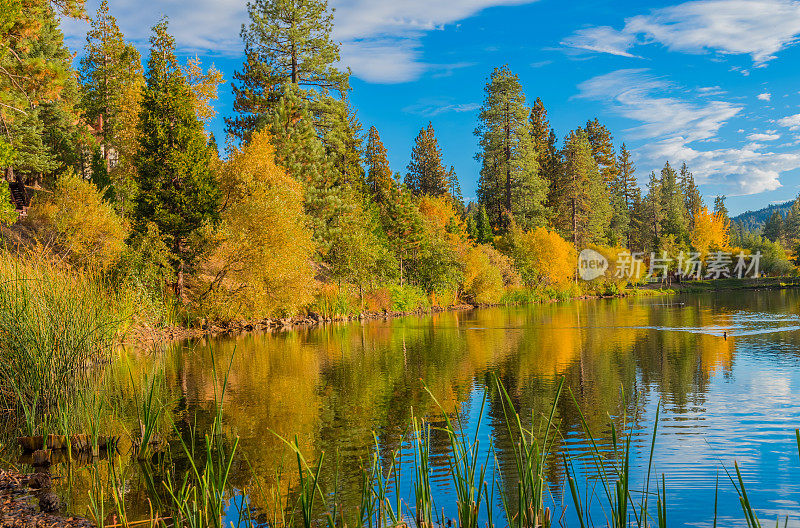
point(262, 261)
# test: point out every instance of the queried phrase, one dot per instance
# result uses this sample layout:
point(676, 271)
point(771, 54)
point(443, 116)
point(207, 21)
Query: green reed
point(54, 326)
point(149, 410)
point(530, 458)
point(466, 470)
point(423, 496)
point(198, 500)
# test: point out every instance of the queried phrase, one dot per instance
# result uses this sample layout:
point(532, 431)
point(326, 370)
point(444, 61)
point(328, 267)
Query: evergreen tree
point(653, 216)
point(178, 192)
point(540, 132)
point(720, 207)
point(454, 189)
point(602, 149)
point(625, 194)
point(111, 84)
point(692, 199)
point(674, 221)
point(791, 224)
point(773, 227)
point(583, 212)
point(287, 42)
point(379, 175)
point(426, 174)
point(38, 93)
point(483, 228)
point(510, 182)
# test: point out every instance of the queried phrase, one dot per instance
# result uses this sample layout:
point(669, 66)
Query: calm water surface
point(342, 389)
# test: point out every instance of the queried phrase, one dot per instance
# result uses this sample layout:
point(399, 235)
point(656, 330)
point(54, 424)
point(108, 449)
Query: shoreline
point(147, 337)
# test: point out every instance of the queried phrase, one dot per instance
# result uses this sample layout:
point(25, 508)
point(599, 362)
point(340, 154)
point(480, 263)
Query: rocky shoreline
point(150, 336)
point(26, 501)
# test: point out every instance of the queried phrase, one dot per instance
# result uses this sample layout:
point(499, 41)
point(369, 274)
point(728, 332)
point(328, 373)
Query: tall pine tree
point(426, 173)
point(178, 192)
point(379, 174)
point(111, 80)
point(510, 182)
point(287, 42)
point(583, 212)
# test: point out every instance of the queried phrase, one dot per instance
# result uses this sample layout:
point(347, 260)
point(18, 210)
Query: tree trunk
point(508, 158)
point(179, 282)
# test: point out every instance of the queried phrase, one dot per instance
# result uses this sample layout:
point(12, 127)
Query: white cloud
point(763, 137)
point(759, 28)
point(601, 39)
point(675, 127)
point(199, 25)
point(381, 39)
point(637, 95)
point(792, 122)
point(766, 96)
point(434, 108)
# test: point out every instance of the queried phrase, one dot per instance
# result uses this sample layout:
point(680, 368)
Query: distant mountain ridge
point(752, 220)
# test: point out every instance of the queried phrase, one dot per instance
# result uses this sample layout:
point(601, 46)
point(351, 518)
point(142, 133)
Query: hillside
point(752, 220)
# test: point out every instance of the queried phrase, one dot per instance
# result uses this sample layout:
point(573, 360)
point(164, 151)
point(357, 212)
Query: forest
point(112, 174)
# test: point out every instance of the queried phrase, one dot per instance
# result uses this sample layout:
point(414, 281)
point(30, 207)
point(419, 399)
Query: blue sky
point(710, 82)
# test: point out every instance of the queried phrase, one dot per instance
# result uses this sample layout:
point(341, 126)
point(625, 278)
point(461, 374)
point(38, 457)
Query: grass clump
point(54, 327)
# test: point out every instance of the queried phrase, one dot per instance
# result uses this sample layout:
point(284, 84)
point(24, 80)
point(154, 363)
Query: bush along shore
point(392, 494)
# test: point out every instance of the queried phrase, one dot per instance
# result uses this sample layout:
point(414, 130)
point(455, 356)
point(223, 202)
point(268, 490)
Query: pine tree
point(426, 174)
point(403, 225)
point(38, 93)
point(773, 227)
point(720, 207)
point(379, 175)
point(625, 193)
point(483, 228)
point(584, 212)
point(111, 84)
point(540, 131)
point(791, 224)
point(674, 221)
point(510, 182)
point(287, 42)
point(454, 189)
point(692, 199)
point(653, 214)
point(178, 192)
point(602, 149)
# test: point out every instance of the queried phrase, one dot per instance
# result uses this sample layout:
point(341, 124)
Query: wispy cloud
point(678, 126)
point(766, 96)
point(431, 109)
point(759, 28)
point(381, 40)
point(601, 39)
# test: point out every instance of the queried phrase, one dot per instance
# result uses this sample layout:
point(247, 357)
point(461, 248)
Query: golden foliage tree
point(261, 265)
point(710, 232)
point(75, 220)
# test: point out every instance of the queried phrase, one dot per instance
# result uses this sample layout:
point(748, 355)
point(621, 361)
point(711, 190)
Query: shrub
point(483, 282)
point(408, 298)
point(332, 301)
point(76, 220)
point(543, 257)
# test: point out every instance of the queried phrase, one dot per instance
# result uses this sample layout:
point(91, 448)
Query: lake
point(349, 389)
